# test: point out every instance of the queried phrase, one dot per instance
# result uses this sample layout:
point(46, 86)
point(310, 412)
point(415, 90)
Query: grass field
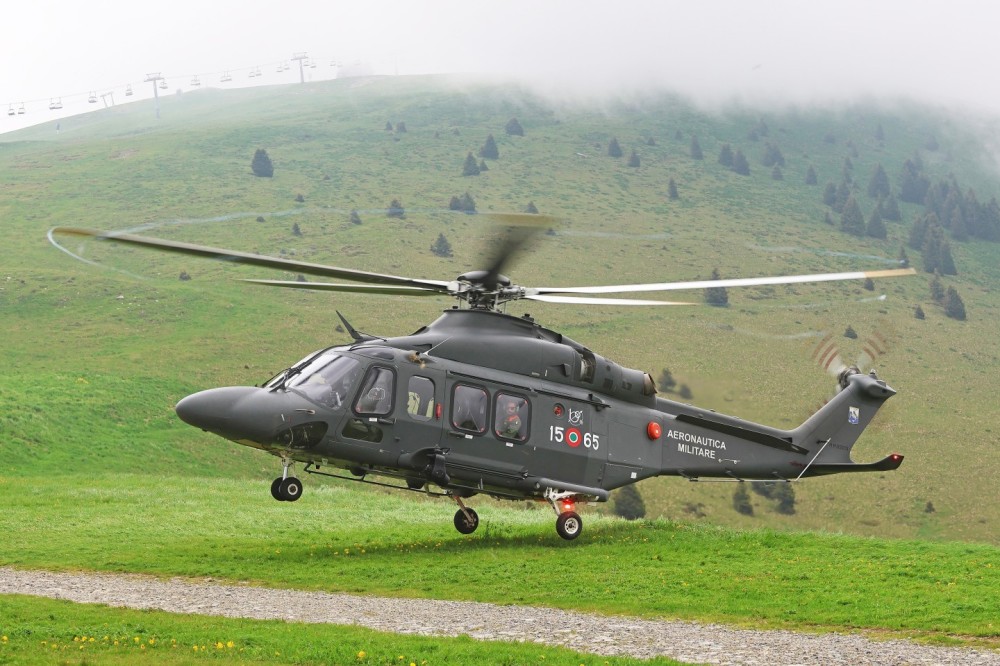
point(341, 539)
point(95, 355)
point(38, 631)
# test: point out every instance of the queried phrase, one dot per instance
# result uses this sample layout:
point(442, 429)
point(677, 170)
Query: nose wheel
point(286, 488)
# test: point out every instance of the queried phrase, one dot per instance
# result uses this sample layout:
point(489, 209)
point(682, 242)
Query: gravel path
point(585, 632)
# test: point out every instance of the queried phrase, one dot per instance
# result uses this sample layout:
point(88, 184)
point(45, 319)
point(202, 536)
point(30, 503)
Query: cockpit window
point(328, 379)
point(376, 393)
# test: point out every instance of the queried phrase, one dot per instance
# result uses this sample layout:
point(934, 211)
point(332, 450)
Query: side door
point(420, 412)
point(489, 432)
point(368, 432)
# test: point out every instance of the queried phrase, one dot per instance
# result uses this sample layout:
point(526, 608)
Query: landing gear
point(466, 519)
point(569, 524)
point(286, 488)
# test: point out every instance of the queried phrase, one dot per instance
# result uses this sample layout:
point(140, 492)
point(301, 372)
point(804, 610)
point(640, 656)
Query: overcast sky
point(763, 51)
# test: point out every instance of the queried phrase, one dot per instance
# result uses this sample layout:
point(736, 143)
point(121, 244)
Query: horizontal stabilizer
point(887, 464)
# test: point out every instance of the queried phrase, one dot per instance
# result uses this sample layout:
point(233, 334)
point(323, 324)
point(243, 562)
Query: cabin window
point(511, 417)
point(469, 409)
point(420, 398)
point(376, 392)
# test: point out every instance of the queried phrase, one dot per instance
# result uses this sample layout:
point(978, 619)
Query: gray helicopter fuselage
point(482, 402)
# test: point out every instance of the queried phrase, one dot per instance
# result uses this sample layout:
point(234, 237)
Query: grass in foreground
point(345, 539)
point(34, 631)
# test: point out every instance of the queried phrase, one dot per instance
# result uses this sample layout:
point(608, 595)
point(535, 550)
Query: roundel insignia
point(573, 437)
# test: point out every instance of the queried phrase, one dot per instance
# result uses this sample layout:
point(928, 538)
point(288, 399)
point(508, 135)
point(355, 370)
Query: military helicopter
point(483, 402)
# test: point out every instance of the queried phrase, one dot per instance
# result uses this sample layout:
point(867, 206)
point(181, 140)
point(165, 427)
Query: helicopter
point(481, 402)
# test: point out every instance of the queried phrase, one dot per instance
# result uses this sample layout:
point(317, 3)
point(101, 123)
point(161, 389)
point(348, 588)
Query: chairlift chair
point(55, 104)
point(92, 98)
point(226, 78)
point(10, 110)
point(163, 84)
point(195, 82)
point(20, 109)
point(128, 90)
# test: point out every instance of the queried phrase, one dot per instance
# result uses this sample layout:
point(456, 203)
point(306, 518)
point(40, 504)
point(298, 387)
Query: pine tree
point(672, 190)
point(811, 178)
point(614, 150)
point(455, 203)
point(395, 210)
point(953, 305)
point(388, 126)
point(852, 220)
point(830, 195)
point(513, 128)
point(468, 203)
point(918, 312)
point(890, 209)
point(633, 160)
point(666, 382)
point(717, 296)
point(531, 208)
point(776, 173)
point(296, 231)
point(441, 247)
point(629, 504)
point(740, 163)
point(400, 127)
point(772, 155)
point(482, 166)
point(726, 156)
point(471, 167)
point(937, 289)
point(878, 185)
point(695, 149)
point(784, 496)
point(876, 227)
point(489, 150)
point(261, 164)
point(741, 500)
point(355, 218)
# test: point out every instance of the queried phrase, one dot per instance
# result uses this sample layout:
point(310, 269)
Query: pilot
point(511, 426)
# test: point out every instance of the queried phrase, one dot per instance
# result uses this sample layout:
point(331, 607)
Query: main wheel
point(290, 489)
point(466, 524)
point(276, 489)
point(569, 525)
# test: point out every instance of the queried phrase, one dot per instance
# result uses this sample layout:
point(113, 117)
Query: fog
point(779, 52)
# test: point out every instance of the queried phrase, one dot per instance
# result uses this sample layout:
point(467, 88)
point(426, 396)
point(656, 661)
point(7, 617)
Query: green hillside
point(93, 359)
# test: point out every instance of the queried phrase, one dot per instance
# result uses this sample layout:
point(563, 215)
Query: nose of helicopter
point(234, 412)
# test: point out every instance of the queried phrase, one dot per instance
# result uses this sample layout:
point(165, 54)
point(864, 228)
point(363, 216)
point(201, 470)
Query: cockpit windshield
point(328, 379)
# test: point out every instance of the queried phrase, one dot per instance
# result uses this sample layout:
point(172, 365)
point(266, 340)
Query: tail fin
point(833, 430)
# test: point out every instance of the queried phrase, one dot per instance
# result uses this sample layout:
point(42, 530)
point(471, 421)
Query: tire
point(463, 524)
point(569, 525)
point(290, 489)
point(276, 490)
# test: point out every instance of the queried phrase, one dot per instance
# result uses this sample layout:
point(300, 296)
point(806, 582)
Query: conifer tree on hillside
point(876, 227)
point(890, 209)
point(852, 220)
point(441, 247)
point(717, 296)
point(913, 184)
point(471, 167)
point(741, 500)
point(830, 195)
point(531, 208)
point(513, 128)
point(772, 155)
point(878, 185)
point(695, 149)
point(726, 156)
point(489, 150)
point(811, 178)
point(672, 190)
point(395, 210)
point(633, 160)
point(740, 163)
point(937, 289)
point(953, 305)
point(355, 218)
point(629, 504)
point(776, 173)
point(614, 150)
point(261, 164)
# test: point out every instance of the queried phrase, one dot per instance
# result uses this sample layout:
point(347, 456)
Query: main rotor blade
point(522, 228)
point(255, 259)
point(352, 288)
point(584, 300)
point(735, 282)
